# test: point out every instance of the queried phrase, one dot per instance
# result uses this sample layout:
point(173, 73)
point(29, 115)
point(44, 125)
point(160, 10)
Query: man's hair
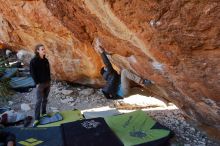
point(37, 47)
point(102, 71)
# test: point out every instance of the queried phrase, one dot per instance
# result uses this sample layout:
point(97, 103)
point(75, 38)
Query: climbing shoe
point(147, 82)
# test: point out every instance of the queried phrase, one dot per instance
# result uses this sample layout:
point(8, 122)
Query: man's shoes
point(36, 122)
point(115, 98)
point(147, 82)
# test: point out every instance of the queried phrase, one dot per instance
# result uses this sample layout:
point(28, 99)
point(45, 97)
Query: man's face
point(41, 51)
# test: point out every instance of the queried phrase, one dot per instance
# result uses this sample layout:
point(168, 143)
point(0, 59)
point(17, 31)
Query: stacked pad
point(89, 132)
point(136, 128)
point(22, 83)
point(37, 136)
point(68, 116)
point(51, 119)
point(9, 72)
point(4, 109)
point(96, 114)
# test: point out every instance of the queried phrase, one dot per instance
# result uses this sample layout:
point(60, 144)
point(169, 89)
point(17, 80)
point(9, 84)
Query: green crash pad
point(138, 128)
point(68, 116)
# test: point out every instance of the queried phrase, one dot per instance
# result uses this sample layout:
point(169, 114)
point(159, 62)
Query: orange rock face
point(26, 23)
point(174, 43)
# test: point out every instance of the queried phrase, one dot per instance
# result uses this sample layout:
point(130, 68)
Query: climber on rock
point(117, 85)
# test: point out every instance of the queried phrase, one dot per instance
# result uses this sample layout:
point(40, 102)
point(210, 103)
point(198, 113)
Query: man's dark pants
point(43, 90)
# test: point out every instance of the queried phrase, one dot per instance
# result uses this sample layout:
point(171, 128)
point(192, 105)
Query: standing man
point(40, 72)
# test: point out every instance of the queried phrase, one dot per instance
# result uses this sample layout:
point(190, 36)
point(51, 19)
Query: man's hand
point(97, 46)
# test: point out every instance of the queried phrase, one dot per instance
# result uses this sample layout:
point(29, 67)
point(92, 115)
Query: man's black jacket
point(111, 76)
point(40, 70)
